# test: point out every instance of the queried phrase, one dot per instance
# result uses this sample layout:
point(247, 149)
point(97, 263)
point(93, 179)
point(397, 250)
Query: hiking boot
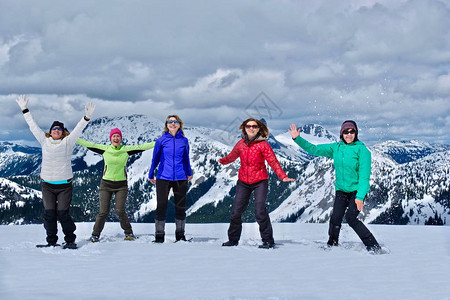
point(180, 237)
point(129, 237)
point(332, 242)
point(230, 244)
point(179, 230)
point(267, 245)
point(159, 238)
point(70, 245)
point(95, 238)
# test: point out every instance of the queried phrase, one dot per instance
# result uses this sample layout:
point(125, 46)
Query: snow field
point(416, 268)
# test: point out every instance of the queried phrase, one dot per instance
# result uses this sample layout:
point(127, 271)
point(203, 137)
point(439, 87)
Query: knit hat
point(114, 131)
point(349, 124)
point(59, 124)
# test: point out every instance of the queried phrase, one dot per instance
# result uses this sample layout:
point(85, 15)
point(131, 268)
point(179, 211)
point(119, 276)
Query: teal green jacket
point(116, 159)
point(352, 163)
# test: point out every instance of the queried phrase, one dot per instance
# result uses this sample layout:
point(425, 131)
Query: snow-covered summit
point(406, 151)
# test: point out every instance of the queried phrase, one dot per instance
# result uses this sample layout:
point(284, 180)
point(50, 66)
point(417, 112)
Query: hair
point(263, 130)
point(166, 129)
point(65, 133)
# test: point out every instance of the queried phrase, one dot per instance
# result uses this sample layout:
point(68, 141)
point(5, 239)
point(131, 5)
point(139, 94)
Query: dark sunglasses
point(251, 126)
point(349, 132)
point(57, 128)
point(173, 121)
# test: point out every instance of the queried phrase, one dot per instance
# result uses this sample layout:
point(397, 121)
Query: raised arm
point(76, 133)
point(318, 150)
point(38, 133)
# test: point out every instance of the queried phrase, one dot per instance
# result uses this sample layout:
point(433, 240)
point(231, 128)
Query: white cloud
point(381, 62)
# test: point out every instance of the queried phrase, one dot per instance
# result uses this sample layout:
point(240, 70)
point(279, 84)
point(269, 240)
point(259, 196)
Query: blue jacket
point(171, 153)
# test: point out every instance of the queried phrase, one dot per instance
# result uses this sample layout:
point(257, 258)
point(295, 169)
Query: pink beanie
point(114, 131)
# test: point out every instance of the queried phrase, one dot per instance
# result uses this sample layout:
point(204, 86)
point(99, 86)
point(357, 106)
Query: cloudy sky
point(384, 64)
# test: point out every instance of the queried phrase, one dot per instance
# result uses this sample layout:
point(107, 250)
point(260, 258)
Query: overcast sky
point(384, 64)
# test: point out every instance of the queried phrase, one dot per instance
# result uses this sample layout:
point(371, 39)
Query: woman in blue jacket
point(171, 156)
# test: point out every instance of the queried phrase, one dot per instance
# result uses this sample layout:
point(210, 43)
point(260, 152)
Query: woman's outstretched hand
point(288, 179)
point(294, 131)
point(89, 109)
point(22, 101)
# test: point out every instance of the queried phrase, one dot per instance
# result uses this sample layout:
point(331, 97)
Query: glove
point(22, 101)
point(89, 109)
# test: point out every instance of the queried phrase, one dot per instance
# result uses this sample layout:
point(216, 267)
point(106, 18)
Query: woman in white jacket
point(56, 172)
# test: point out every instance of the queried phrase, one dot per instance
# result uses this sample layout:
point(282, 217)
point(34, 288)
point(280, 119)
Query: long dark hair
point(263, 130)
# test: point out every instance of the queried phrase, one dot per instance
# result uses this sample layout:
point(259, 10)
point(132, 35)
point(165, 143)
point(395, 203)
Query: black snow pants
point(57, 199)
point(241, 200)
point(346, 201)
point(179, 189)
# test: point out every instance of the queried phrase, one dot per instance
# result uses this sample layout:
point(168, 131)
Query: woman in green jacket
point(114, 180)
point(352, 163)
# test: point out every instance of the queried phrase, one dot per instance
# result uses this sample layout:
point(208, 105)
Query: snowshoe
point(267, 245)
point(48, 245)
point(230, 244)
point(184, 240)
point(129, 237)
point(376, 249)
point(95, 238)
point(71, 245)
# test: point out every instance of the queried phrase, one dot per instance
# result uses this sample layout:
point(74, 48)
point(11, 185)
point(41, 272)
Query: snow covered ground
point(417, 267)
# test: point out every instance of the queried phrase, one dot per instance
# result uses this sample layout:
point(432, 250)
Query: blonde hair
point(166, 129)
point(263, 130)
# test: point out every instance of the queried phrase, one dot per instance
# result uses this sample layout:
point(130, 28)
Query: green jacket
point(115, 158)
point(352, 163)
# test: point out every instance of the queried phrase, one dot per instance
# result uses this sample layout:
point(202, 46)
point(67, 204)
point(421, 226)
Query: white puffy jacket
point(56, 154)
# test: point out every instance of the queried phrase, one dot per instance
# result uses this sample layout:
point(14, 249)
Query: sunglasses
point(57, 128)
point(251, 126)
point(173, 121)
point(349, 132)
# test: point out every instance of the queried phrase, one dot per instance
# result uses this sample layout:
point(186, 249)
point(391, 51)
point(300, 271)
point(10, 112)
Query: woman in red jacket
point(253, 150)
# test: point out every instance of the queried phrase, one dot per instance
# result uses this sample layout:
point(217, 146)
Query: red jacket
point(253, 157)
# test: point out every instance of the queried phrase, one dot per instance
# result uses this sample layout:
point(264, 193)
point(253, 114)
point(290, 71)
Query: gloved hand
point(22, 101)
point(89, 109)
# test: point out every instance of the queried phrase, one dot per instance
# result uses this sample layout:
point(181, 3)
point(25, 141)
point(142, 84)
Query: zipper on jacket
point(248, 150)
point(173, 158)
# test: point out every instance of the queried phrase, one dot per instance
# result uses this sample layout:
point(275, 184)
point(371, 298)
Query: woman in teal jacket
point(114, 180)
point(352, 163)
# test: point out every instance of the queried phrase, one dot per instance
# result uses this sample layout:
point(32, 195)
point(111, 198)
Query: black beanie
point(57, 123)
